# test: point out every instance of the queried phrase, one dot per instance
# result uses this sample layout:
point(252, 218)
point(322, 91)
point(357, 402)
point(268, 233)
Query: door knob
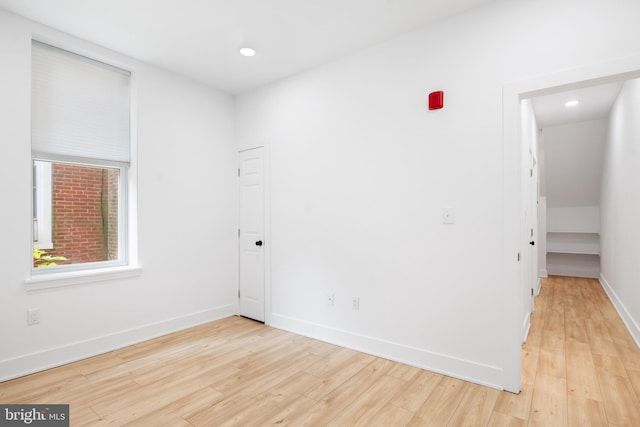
point(259, 243)
point(532, 243)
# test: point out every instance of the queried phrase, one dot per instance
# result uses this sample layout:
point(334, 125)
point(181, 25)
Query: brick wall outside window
point(84, 213)
point(111, 202)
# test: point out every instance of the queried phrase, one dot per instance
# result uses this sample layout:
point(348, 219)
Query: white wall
point(542, 238)
point(577, 219)
point(542, 208)
point(573, 163)
point(620, 208)
point(360, 171)
point(187, 218)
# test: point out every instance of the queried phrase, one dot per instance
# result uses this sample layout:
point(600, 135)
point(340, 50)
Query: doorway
point(513, 242)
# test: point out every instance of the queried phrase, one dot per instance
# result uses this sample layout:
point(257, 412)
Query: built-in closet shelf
point(573, 243)
point(573, 254)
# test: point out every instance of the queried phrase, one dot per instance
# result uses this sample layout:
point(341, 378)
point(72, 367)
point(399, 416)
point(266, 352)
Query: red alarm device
point(436, 100)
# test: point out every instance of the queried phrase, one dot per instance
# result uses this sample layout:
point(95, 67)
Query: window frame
point(42, 209)
point(127, 263)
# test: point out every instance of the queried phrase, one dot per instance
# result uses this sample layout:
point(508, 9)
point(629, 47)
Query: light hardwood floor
point(580, 368)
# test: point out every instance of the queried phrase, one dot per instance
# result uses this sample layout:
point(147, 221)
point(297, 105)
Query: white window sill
point(71, 278)
point(45, 245)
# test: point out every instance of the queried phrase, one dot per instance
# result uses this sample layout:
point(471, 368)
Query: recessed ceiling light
point(247, 51)
point(571, 104)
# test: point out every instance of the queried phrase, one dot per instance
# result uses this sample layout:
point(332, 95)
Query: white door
point(251, 234)
point(535, 215)
point(528, 240)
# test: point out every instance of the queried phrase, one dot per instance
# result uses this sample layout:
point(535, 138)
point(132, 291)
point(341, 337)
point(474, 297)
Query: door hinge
point(518, 256)
point(238, 233)
point(238, 171)
point(238, 293)
point(531, 172)
point(531, 291)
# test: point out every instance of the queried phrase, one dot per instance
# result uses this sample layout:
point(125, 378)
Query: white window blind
point(80, 107)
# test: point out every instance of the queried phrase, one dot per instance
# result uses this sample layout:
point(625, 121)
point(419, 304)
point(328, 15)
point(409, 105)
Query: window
point(80, 150)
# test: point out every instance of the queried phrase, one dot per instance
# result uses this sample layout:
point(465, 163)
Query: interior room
point(401, 180)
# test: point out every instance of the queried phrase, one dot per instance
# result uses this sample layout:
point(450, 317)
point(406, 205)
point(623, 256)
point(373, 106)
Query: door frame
point(266, 181)
point(512, 94)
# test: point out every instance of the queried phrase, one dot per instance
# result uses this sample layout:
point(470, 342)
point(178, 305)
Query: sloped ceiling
point(573, 160)
point(573, 141)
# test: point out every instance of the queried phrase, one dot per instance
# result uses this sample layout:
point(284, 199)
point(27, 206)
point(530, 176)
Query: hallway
point(580, 365)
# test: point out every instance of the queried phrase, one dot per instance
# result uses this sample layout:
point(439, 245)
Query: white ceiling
point(200, 38)
point(595, 103)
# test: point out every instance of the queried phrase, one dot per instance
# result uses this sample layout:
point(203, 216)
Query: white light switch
point(448, 216)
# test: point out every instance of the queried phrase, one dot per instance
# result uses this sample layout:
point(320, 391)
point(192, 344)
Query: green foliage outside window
point(44, 259)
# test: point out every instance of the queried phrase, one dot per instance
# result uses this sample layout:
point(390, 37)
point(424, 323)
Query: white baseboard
point(629, 321)
point(536, 291)
point(50, 358)
point(466, 370)
point(570, 272)
point(543, 273)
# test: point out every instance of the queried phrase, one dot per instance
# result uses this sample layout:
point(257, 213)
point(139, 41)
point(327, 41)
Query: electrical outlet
point(33, 316)
point(448, 216)
point(355, 303)
point(330, 299)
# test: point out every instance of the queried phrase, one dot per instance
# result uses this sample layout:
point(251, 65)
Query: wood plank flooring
point(580, 368)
